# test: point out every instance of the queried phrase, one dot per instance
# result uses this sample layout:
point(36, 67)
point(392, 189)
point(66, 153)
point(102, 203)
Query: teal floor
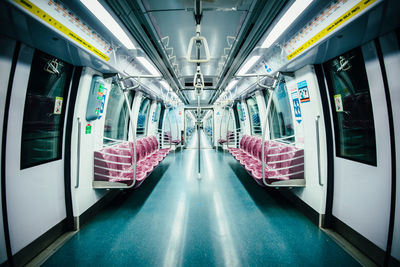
point(223, 219)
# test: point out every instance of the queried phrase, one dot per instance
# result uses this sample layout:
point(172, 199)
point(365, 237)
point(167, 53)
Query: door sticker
point(303, 90)
point(58, 105)
point(338, 103)
point(88, 129)
point(296, 105)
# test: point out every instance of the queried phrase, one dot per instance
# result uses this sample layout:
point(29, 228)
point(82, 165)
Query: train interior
point(200, 132)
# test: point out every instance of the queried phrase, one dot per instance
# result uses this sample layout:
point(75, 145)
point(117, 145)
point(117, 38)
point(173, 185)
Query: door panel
point(391, 57)
point(361, 190)
point(35, 195)
point(6, 57)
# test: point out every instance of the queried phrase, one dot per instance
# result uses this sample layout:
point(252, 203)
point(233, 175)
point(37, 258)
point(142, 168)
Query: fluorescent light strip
point(231, 85)
point(148, 66)
point(248, 65)
point(286, 20)
point(165, 85)
point(104, 17)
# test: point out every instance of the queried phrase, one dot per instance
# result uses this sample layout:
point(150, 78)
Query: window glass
point(351, 107)
point(116, 125)
point(240, 112)
point(280, 115)
point(45, 104)
point(142, 117)
point(254, 116)
point(157, 113)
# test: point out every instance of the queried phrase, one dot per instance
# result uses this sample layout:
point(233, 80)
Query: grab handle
point(318, 150)
point(78, 153)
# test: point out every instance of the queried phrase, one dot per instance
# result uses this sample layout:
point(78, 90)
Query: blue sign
point(296, 106)
point(103, 101)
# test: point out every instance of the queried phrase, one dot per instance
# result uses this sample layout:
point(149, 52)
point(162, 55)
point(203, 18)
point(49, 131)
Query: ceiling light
point(104, 17)
point(231, 85)
point(248, 65)
point(148, 66)
point(291, 15)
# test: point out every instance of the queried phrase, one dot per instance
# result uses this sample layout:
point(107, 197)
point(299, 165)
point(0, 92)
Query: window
point(45, 104)
point(254, 116)
point(157, 112)
point(351, 107)
point(142, 117)
point(280, 115)
point(116, 125)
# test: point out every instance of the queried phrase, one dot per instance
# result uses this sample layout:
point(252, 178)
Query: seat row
point(284, 163)
point(115, 163)
point(229, 136)
point(168, 138)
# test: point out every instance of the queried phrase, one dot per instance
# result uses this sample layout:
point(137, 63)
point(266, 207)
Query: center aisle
point(204, 141)
point(224, 219)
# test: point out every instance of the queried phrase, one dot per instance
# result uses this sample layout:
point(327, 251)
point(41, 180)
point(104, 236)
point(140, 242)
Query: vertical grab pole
point(198, 138)
point(170, 128)
point(134, 136)
point(177, 127)
point(227, 128)
point(220, 126)
point(265, 126)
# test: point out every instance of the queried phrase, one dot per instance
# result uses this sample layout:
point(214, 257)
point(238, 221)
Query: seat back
point(256, 148)
point(241, 143)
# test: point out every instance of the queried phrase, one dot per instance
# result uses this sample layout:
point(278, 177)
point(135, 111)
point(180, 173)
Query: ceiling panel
point(175, 25)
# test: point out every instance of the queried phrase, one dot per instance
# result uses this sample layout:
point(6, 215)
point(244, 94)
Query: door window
point(351, 107)
point(44, 112)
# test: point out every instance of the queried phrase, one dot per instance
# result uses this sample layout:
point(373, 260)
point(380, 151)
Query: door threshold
point(43, 256)
point(349, 248)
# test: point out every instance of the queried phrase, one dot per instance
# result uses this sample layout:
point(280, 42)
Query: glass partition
point(116, 126)
point(280, 114)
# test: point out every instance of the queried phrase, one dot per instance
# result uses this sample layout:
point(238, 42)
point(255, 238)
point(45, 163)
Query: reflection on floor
point(205, 142)
point(224, 219)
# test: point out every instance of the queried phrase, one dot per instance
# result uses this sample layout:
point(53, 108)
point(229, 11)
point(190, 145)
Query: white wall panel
point(313, 194)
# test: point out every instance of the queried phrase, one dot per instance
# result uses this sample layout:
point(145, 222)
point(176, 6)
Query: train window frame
point(52, 68)
point(356, 53)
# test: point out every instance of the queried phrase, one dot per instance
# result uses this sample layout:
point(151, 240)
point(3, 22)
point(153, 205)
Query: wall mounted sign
point(338, 103)
point(303, 91)
point(296, 105)
point(56, 16)
point(329, 20)
point(58, 105)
